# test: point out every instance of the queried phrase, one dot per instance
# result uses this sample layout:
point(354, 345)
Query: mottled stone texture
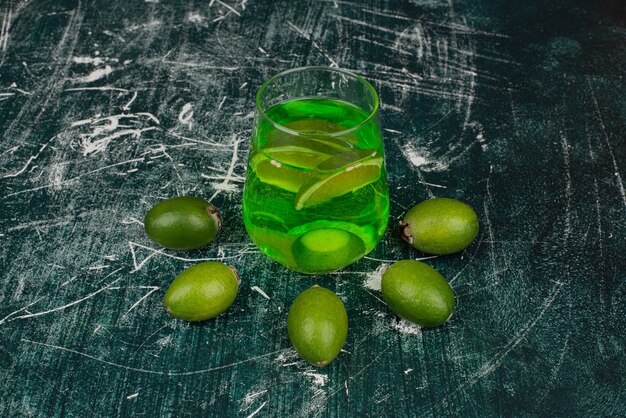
point(515, 108)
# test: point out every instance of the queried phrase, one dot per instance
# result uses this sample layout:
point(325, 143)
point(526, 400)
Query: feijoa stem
point(215, 214)
point(405, 232)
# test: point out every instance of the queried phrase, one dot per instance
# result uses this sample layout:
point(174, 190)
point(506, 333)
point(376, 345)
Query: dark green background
point(517, 108)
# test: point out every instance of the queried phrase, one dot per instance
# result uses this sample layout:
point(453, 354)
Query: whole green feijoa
point(317, 325)
point(183, 223)
point(439, 226)
point(418, 293)
point(202, 291)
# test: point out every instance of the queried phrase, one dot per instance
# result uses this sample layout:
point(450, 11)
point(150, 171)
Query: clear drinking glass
point(315, 197)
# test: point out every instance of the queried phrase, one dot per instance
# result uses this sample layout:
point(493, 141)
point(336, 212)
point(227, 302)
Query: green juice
point(316, 197)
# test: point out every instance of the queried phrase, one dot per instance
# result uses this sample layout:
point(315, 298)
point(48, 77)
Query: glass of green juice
point(315, 197)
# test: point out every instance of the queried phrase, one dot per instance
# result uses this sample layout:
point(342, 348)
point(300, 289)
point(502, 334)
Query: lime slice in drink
point(326, 249)
point(303, 152)
point(274, 173)
point(268, 220)
point(316, 191)
point(296, 156)
point(345, 159)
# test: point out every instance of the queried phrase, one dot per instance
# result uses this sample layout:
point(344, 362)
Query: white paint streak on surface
point(19, 288)
point(127, 105)
point(406, 327)
point(416, 159)
point(45, 223)
point(249, 399)
point(147, 371)
point(60, 308)
point(618, 176)
point(88, 60)
point(247, 249)
point(318, 379)
point(6, 318)
point(200, 65)
point(568, 186)
point(317, 46)
point(100, 88)
point(491, 365)
point(4, 31)
point(221, 103)
point(260, 291)
point(100, 145)
point(195, 17)
point(113, 35)
point(153, 289)
point(257, 410)
point(103, 130)
point(95, 75)
point(131, 220)
point(226, 184)
point(420, 158)
point(153, 24)
point(229, 7)
point(373, 279)
point(17, 173)
point(97, 170)
point(186, 114)
point(56, 175)
point(30, 159)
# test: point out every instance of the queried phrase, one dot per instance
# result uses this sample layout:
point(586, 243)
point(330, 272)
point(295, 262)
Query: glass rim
point(294, 132)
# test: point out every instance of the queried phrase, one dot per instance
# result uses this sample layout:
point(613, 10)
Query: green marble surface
point(516, 108)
